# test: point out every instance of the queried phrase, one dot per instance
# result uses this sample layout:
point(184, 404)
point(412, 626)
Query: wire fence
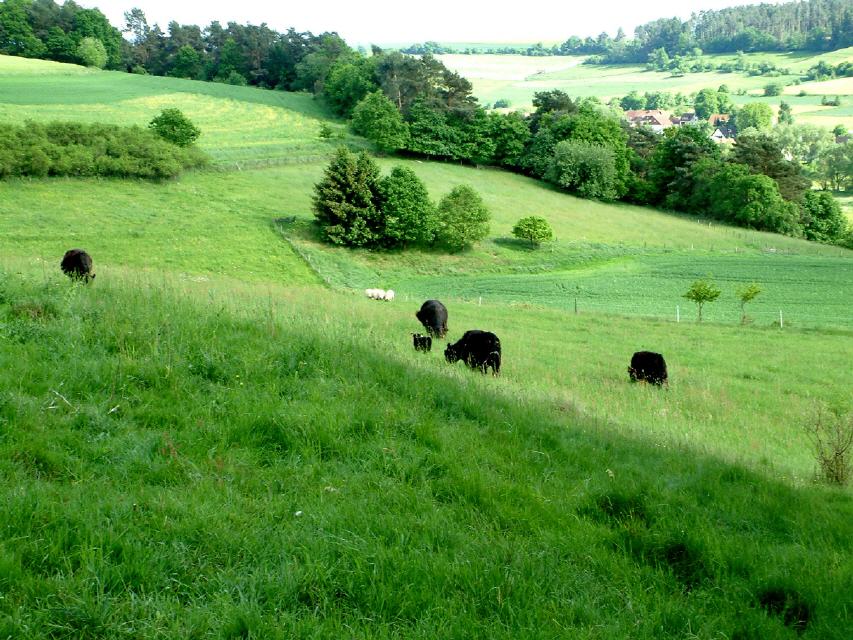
point(782, 318)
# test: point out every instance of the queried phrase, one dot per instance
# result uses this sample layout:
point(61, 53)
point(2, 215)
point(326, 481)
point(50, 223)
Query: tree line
point(810, 25)
point(235, 53)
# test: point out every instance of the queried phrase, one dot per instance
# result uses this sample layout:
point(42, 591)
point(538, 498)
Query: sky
point(400, 22)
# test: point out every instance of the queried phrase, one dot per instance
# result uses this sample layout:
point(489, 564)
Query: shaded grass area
point(155, 453)
point(206, 223)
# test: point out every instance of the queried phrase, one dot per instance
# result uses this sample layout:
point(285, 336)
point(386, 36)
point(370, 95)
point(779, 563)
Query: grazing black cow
point(648, 366)
point(478, 349)
point(422, 343)
point(77, 265)
point(433, 315)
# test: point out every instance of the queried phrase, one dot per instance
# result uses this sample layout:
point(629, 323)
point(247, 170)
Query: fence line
point(781, 318)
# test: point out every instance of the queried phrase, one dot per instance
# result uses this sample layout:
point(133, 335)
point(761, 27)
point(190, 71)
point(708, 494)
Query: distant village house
point(658, 120)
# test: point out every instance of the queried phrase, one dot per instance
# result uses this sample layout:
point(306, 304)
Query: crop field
point(221, 437)
point(517, 78)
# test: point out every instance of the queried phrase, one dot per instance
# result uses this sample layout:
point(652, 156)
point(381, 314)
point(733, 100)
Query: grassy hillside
point(177, 464)
point(242, 126)
point(208, 442)
point(518, 78)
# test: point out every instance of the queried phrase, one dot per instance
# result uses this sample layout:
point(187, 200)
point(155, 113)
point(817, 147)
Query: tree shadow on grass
point(517, 245)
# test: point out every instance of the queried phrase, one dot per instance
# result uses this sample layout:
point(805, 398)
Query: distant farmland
point(517, 78)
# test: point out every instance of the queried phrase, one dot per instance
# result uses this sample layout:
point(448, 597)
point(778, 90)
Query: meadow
point(220, 437)
point(518, 78)
point(180, 463)
point(242, 126)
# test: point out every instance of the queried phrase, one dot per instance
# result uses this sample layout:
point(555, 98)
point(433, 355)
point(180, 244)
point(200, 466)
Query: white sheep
point(389, 295)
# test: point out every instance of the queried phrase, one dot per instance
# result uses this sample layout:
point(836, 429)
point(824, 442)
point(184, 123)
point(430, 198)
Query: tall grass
point(259, 467)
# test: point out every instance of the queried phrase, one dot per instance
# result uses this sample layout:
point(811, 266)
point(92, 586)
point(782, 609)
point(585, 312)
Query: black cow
point(422, 343)
point(478, 349)
point(648, 366)
point(433, 315)
point(77, 265)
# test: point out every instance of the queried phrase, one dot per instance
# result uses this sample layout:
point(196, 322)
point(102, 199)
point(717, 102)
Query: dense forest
point(810, 25)
point(237, 54)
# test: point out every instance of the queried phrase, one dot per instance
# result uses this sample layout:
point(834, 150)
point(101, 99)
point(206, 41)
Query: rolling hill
point(221, 437)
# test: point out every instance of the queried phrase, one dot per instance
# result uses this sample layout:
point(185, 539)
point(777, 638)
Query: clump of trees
point(585, 148)
point(75, 149)
point(356, 207)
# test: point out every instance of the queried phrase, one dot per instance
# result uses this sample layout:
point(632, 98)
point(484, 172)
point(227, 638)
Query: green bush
point(534, 229)
point(75, 149)
point(173, 126)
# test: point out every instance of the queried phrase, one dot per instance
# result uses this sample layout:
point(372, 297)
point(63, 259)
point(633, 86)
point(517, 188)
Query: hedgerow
point(76, 149)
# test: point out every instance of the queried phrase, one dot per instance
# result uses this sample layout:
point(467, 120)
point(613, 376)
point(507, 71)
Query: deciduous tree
point(701, 292)
point(92, 53)
point(757, 115)
point(463, 219)
point(534, 229)
point(584, 168)
point(377, 119)
point(408, 215)
point(172, 125)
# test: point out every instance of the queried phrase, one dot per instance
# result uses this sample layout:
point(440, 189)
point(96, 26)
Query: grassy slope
point(245, 467)
point(242, 126)
point(151, 493)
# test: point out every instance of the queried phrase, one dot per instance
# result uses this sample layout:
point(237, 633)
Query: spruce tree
point(346, 200)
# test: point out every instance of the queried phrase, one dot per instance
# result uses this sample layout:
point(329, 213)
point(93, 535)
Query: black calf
point(421, 343)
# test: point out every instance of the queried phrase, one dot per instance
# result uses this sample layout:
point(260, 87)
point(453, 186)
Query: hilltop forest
point(810, 25)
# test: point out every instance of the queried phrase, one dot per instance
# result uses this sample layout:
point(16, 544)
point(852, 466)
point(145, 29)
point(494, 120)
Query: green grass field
point(182, 463)
point(518, 78)
point(208, 441)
